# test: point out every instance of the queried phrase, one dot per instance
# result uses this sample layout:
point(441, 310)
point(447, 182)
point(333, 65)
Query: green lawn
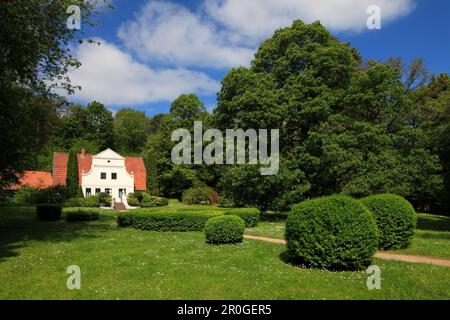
point(121, 263)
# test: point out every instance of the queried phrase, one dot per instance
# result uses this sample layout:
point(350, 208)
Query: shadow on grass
point(433, 223)
point(19, 225)
point(435, 236)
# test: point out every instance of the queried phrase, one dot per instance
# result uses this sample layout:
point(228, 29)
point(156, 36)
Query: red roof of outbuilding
point(134, 165)
point(35, 179)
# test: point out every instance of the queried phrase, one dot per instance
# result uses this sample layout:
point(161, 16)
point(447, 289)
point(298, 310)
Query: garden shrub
point(52, 195)
point(105, 199)
point(224, 229)
point(273, 216)
point(132, 200)
point(26, 195)
point(29, 195)
point(200, 195)
point(82, 215)
point(249, 215)
point(72, 203)
point(90, 202)
point(166, 221)
point(225, 202)
point(335, 232)
point(396, 220)
point(149, 201)
point(48, 212)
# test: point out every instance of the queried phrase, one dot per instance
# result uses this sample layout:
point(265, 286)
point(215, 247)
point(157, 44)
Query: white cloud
point(225, 33)
point(113, 77)
point(254, 20)
point(170, 33)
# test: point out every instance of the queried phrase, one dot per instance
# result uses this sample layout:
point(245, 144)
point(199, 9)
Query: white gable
point(108, 154)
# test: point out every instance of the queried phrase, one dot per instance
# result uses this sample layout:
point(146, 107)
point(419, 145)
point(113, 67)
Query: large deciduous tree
point(34, 58)
point(131, 128)
point(343, 125)
point(100, 125)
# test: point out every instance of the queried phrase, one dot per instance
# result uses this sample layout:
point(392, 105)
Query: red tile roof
point(134, 165)
point(59, 168)
point(35, 179)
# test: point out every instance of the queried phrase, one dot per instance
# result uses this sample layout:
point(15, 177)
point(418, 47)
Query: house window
point(103, 175)
point(88, 192)
point(114, 176)
point(108, 191)
point(97, 190)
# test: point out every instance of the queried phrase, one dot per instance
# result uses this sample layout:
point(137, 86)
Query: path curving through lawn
point(379, 255)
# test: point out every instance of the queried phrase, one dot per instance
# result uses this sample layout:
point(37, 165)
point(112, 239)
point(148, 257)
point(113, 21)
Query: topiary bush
point(82, 215)
point(48, 212)
point(335, 232)
point(396, 220)
point(200, 195)
point(224, 229)
point(249, 215)
point(165, 221)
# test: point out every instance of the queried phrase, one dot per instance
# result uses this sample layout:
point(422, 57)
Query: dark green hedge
point(249, 215)
point(396, 220)
point(166, 221)
point(335, 232)
point(224, 229)
point(82, 215)
point(48, 212)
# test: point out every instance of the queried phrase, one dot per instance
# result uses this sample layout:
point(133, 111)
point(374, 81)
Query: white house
point(107, 174)
point(106, 171)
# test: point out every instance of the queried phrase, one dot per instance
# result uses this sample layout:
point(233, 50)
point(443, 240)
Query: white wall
point(109, 162)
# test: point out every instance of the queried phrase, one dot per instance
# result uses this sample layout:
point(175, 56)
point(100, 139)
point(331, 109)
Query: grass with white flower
point(123, 263)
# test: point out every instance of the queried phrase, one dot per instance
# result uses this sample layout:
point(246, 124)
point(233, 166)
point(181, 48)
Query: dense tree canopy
point(131, 128)
point(34, 57)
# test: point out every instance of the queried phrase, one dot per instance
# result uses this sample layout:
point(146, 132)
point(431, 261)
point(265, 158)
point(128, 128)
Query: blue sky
point(151, 51)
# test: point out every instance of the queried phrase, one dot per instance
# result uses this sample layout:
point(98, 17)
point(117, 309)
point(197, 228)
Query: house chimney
point(83, 151)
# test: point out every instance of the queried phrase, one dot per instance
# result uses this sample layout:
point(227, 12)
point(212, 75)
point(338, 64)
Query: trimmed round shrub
point(48, 212)
point(200, 195)
point(165, 221)
point(224, 229)
point(396, 220)
point(335, 232)
point(82, 215)
point(249, 215)
point(26, 195)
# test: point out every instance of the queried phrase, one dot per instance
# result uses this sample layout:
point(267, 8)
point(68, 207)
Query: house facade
point(106, 171)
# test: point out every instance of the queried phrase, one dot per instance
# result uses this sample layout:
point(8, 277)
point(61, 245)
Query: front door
point(122, 192)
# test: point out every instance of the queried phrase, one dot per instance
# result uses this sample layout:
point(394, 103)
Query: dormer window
point(103, 175)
